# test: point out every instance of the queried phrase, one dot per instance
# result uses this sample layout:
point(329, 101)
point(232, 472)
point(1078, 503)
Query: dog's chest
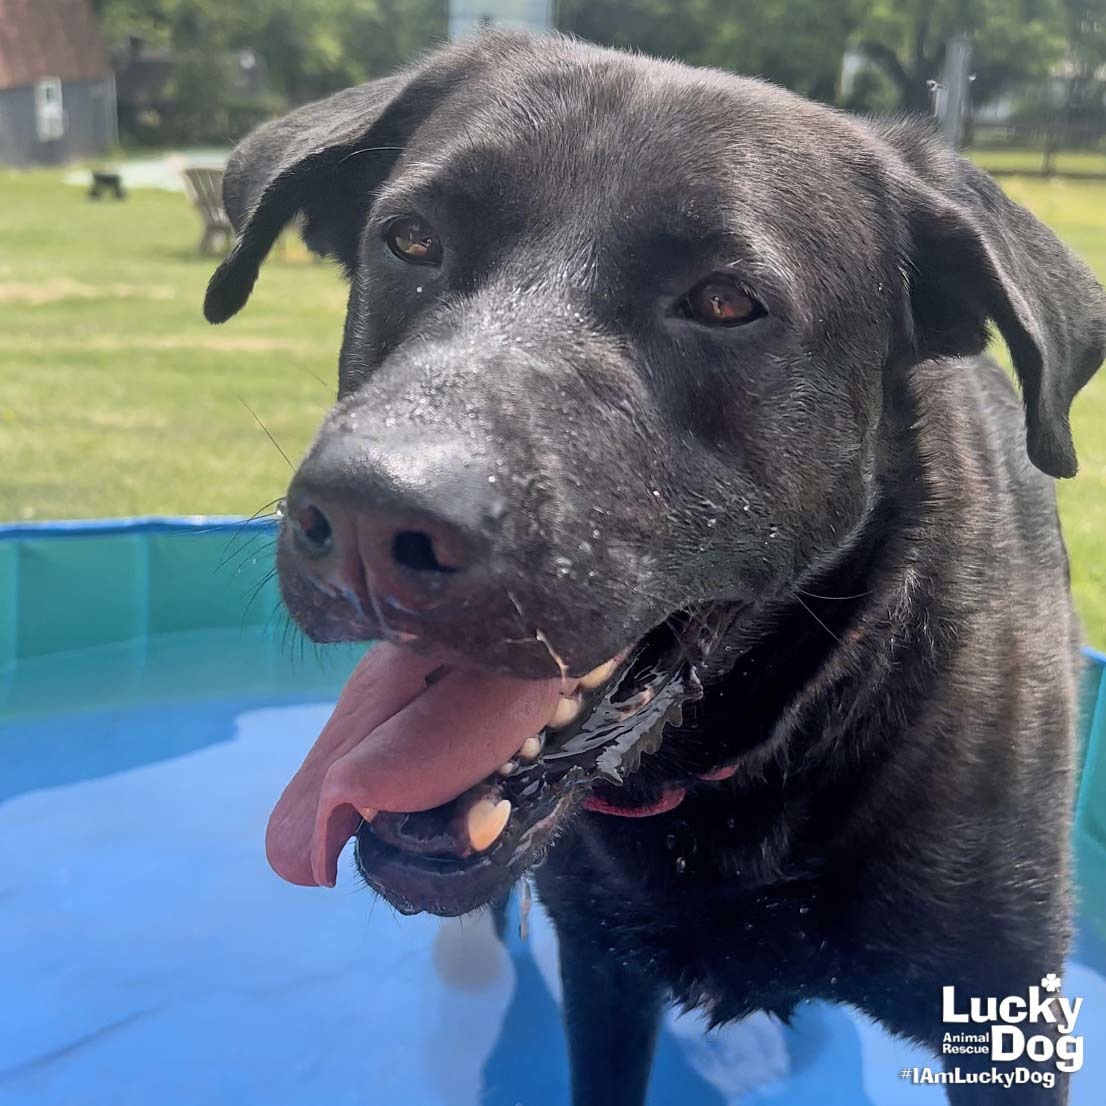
point(715, 943)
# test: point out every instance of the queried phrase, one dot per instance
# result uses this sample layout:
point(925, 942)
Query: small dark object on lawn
point(103, 181)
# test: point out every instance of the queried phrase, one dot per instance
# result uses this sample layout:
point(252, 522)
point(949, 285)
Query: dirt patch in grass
point(32, 294)
point(215, 342)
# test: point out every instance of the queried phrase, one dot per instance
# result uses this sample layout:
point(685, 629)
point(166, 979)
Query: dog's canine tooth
point(530, 748)
point(566, 710)
point(508, 769)
point(485, 821)
point(599, 675)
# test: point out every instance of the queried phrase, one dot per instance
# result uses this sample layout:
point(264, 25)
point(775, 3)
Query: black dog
point(709, 560)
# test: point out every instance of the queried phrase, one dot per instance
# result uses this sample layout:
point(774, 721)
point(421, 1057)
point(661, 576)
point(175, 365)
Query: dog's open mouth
point(454, 780)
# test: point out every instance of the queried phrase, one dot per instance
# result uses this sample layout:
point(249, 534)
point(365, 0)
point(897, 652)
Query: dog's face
point(620, 337)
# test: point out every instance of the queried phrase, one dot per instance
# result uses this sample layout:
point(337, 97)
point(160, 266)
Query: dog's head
point(617, 356)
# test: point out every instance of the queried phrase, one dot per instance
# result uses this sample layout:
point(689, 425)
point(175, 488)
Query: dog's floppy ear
point(323, 160)
point(974, 256)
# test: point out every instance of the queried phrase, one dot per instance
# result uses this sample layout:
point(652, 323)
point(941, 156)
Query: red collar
point(670, 798)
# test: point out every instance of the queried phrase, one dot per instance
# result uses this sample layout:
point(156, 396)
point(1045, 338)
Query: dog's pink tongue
point(396, 743)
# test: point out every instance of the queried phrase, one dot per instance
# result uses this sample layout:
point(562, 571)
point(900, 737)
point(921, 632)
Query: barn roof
point(49, 38)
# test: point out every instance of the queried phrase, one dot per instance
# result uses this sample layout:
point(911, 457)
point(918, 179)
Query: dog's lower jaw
point(613, 728)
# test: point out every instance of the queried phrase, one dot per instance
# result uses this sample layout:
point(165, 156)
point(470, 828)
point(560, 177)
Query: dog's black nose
point(406, 528)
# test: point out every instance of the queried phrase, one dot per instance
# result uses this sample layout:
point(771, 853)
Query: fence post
point(1050, 147)
point(954, 104)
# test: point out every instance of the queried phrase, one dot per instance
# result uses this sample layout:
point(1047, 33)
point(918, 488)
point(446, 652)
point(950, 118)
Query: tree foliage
point(1086, 58)
point(311, 47)
point(796, 43)
point(1013, 41)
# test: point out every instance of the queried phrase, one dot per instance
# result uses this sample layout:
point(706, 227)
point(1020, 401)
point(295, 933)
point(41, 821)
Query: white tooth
point(531, 747)
point(367, 813)
point(566, 710)
point(485, 821)
point(507, 769)
point(599, 675)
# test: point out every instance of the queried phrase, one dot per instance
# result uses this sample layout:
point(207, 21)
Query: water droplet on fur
point(681, 865)
point(712, 522)
point(804, 909)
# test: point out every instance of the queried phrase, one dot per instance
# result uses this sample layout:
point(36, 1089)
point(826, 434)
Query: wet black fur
point(851, 472)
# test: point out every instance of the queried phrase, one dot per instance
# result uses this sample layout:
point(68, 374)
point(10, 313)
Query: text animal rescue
point(1009, 1041)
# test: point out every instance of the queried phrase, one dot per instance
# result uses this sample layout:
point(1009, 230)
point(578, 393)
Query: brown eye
point(413, 240)
point(718, 301)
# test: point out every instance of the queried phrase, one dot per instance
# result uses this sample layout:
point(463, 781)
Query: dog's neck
point(792, 672)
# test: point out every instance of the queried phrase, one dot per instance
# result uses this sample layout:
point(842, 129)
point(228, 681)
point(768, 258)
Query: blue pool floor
point(148, 955)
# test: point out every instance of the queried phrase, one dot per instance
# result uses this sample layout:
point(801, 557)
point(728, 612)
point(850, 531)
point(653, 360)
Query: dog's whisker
point(315, 376)
point(256, 545)
point(818, 620)
point(278, 608)
point(255, 591)
point(268, 433)
point(833, 598)
point(262, 512)
point(371, 150)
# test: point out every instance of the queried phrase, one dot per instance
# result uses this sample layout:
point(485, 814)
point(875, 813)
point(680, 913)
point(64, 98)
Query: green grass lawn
point(116, 398)
point(1075, 162)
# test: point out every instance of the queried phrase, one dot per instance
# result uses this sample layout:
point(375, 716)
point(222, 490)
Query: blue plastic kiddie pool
point(152, 706)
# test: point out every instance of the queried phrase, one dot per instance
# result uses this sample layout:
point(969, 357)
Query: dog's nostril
point(314, 526)
point(415, 550)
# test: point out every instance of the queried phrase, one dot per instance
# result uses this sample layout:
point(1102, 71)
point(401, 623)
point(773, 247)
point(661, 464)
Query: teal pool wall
point(117, 606)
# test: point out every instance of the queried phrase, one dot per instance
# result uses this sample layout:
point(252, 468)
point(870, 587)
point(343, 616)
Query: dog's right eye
point(721, 301)
point(413, 240)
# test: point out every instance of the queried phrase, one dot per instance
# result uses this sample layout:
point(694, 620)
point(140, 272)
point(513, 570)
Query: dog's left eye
point(720, 301)
point(411, 239)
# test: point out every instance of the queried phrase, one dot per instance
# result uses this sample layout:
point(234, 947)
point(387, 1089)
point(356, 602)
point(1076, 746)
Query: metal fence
point(1054, 147)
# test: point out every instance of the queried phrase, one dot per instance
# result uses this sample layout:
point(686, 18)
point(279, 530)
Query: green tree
point(310, 47)
point(1086, 60)
point(1014, 41)
point(796, 43)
